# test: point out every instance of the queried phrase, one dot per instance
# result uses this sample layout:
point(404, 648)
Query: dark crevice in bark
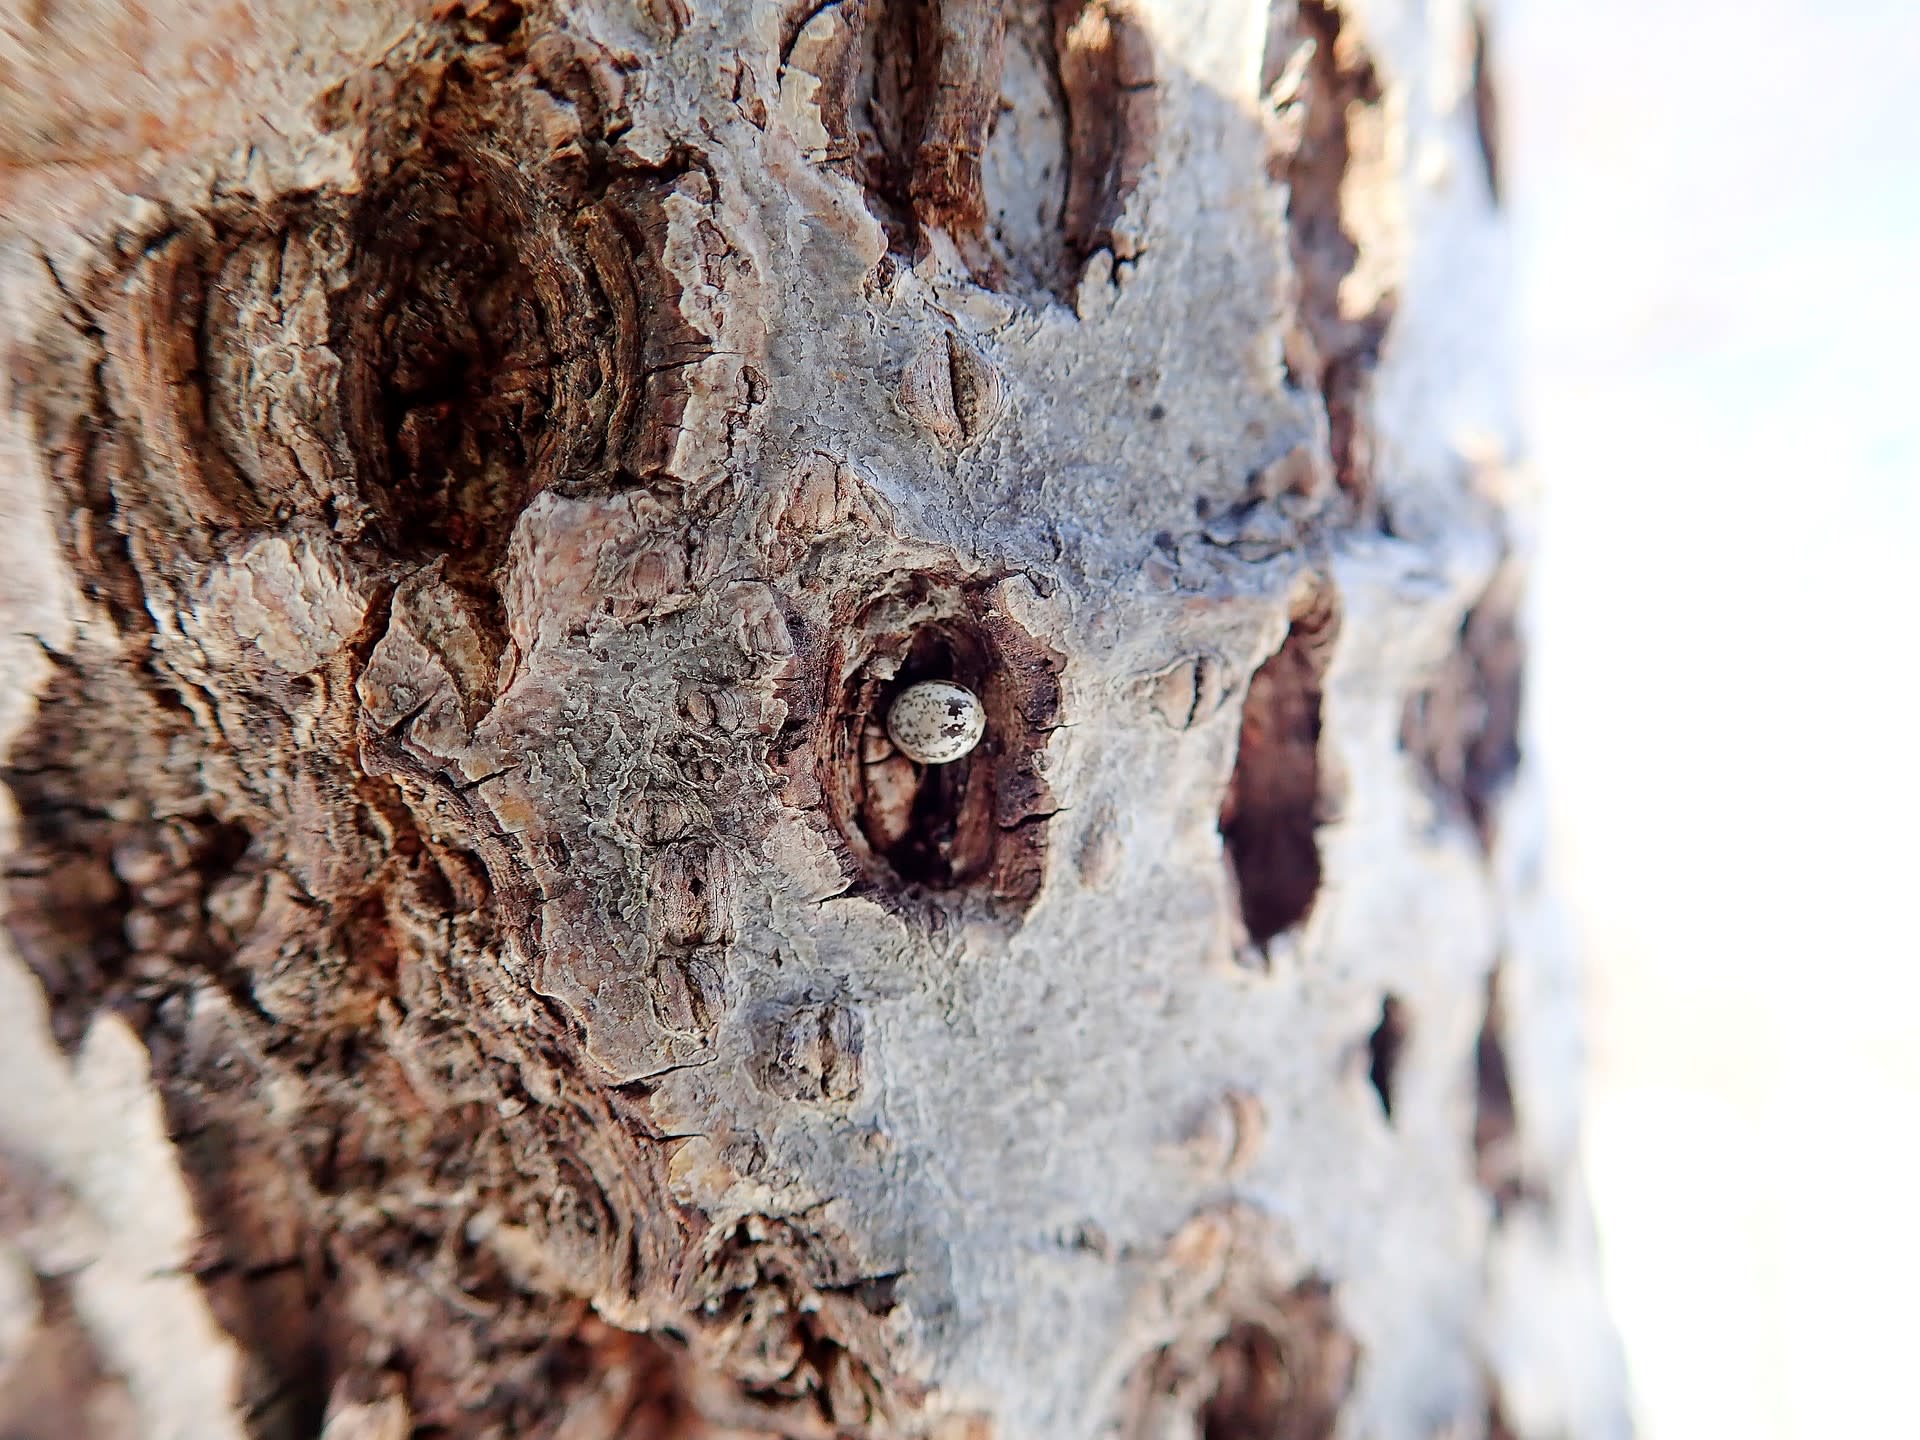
point(1486, 105)
point(785, 1311)
point(1318, 77)
point(1272, 813)
point(1384, 1047)
point(1282, 1370)
point(1496, 1133)
point(908, 91)
point(1106, 72)
point(912, 92)
point(963, 44)
point(1498, 1427)
point(1463, 727)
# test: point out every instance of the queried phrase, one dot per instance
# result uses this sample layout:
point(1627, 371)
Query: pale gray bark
point(474, 481)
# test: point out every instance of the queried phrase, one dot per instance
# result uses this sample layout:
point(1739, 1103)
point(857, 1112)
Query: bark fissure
point(1318, 77)
point(1274, 802)
point(1463, 726)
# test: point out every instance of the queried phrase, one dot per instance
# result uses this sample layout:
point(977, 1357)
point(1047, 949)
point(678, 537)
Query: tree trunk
point(477, 477)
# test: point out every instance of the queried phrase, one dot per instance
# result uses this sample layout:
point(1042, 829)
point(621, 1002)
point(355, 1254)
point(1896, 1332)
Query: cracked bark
point(476, 476)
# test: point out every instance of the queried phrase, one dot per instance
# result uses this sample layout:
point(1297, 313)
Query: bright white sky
point(1718, 205)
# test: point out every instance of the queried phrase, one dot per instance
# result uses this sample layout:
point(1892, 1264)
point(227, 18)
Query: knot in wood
point(952, 391)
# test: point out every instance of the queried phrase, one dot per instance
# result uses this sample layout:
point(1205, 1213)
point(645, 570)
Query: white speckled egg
point(936, 721)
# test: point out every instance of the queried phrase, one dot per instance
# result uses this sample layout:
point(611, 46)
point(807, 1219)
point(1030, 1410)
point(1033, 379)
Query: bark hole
point(1496, 1131)
point(1282, 1371)
point(1486, 105)
point(509, 321)
point(1271, 817)
point(1318, 77)
point(1262, 1392)
point(1107, 75)
point(1384, 1047)
point(1463, 728)
point(1017, 132)
point(929, 822)
point(457, 356)
point(978, 823)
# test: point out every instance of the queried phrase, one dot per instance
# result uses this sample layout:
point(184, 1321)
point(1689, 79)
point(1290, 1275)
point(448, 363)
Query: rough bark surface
point(475, 475)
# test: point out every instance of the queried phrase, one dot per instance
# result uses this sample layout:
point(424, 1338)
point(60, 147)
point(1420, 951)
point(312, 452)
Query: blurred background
point(1718, 212)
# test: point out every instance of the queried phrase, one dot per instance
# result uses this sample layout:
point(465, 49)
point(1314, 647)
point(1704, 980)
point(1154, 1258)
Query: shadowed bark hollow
point(476, 478)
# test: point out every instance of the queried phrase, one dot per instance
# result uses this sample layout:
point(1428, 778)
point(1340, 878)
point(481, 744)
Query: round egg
point(936, 721)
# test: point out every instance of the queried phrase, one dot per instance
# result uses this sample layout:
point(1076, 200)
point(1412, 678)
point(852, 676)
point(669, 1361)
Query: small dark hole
point(1389, 1038)
point(1486, 105)
point(1496, 1131)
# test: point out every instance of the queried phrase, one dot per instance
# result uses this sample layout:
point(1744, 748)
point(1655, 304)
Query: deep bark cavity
point(1498, 1160)
point(1280, 1369)
point(1317, 76)
point(1015, 134)
point(1463, 727)
point(1384, 1045)
point(1272, 812)
point(1486, 105)
point(916, 831)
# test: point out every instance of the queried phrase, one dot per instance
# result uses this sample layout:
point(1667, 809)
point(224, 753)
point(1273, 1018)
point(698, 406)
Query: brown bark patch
point(907, 93)
point(304, 428)
point(1281, 1371)
point(55, 1385)
point(1497, 1157)
point(911, 95)
point(1463, 727)
point(963, 44)
point(795, 1327)
point(811, 1051)
point(1272, 812)
point(1316, 75)
point(1107, 75)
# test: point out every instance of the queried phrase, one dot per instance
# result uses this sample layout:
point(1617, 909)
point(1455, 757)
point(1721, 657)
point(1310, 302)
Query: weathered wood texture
point(475, 476)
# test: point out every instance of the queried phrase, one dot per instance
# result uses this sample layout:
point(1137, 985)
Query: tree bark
point(476, 477)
